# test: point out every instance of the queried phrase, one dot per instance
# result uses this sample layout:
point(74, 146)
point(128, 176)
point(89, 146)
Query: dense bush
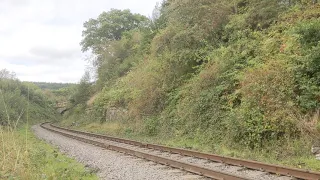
point(239, 73)
point(21, 100)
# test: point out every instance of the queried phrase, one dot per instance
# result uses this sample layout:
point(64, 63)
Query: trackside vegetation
point(26, 157)
point(221, 76)
point(23, 156)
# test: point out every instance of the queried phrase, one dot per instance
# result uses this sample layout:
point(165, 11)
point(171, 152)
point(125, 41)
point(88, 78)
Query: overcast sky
point(39, 39)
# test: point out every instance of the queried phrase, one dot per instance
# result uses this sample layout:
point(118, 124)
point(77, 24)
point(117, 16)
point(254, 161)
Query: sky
point(39, 39)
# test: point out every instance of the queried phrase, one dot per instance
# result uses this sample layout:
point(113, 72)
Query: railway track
point(207, 165)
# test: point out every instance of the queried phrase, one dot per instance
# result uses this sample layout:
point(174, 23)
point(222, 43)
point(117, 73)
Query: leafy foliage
point(18, 100)
point(200, 69)
point(82, 93)
point(108, 27)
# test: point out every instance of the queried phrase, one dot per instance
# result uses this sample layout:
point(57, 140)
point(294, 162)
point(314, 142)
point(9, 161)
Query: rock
point(318, 157)
point(315, 150)
point(116, 113)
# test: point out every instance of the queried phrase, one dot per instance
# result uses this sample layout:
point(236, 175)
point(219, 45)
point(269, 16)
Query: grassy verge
point(304, 160)
point(23, 156)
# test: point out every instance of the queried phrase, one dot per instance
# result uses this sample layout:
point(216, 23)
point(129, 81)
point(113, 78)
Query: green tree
point(109, 27)
point(83, 91)
point(160, 16)
point(113, 37)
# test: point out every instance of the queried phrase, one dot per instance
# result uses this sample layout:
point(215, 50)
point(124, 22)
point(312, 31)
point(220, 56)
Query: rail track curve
point(140, 150)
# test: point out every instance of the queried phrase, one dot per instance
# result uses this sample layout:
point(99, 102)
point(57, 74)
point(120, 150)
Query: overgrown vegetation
point(221, 74)
point(23, 104)
point(21, 99)
point(25, 157)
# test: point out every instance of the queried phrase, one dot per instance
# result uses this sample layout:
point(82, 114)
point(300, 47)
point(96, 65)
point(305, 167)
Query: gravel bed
point(240, 171)
point(109, 164)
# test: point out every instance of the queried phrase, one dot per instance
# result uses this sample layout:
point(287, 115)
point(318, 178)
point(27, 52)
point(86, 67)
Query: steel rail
point(161, 160)
point(276, 169)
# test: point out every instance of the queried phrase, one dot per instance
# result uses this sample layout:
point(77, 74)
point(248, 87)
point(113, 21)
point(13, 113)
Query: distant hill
point(52, 86)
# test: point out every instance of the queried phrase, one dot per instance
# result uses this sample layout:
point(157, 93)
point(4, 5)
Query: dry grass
point(14, 151)
point(25, 157)
point(92, 99)
point(111, 127)
point(15, 161)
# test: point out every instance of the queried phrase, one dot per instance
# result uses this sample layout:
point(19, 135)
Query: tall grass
point(15, 155)
point(14, 152)
point(23, 156)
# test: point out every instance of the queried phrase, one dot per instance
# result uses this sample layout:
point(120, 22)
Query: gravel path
point(110, 164)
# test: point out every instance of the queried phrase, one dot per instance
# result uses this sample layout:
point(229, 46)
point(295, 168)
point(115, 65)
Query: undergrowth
point(290, 153)
point(23, 156)
point(238, 78)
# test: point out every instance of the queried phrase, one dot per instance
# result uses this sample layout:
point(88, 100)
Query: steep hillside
point(210, 74)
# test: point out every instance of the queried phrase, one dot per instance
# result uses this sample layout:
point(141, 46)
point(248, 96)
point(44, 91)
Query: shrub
point(267, 110)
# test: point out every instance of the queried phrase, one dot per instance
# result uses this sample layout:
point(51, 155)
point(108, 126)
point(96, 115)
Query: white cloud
point(39, 40)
